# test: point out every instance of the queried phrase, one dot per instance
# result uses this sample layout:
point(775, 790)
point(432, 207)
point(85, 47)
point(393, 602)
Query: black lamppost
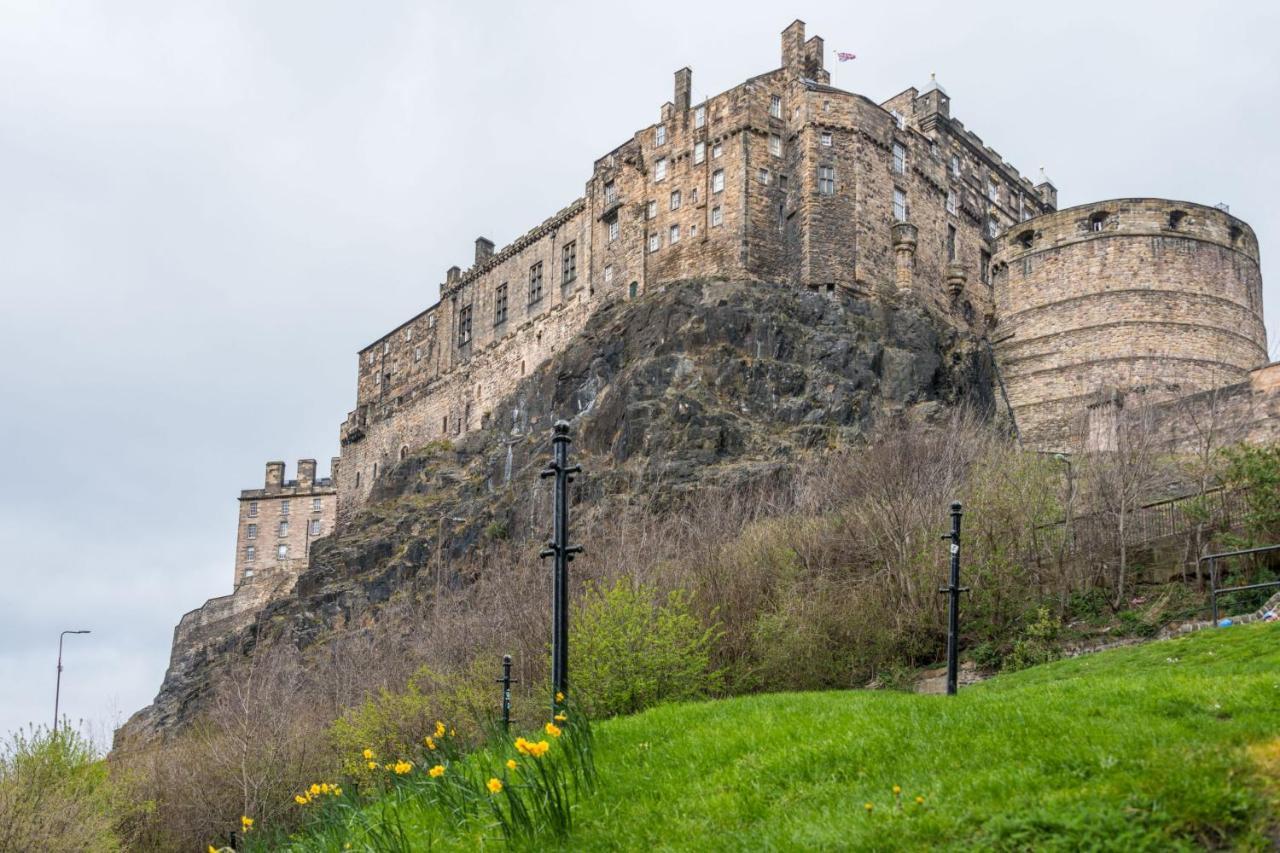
point(953, 590)
point(563, 552)
point(57, 690)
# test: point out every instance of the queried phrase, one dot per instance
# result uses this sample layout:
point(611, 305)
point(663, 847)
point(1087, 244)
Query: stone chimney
point(1047, 191)
point(793, 47)
point(275, 476)
point(813, 61)
point(684, 89)
point(306, 473)
point(484, 250)
point(451, 276)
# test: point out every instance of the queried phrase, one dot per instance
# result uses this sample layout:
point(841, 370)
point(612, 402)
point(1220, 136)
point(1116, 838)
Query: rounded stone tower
point(1145, 295)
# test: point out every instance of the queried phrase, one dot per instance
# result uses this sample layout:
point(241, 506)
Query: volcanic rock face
point(703, 385)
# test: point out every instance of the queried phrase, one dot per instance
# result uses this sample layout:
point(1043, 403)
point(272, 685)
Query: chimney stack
point(306, 473)
point(793, 47)
point(275, 476)
point(684, 89)
point(484, 249)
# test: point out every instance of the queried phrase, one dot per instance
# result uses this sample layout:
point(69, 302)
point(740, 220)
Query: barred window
point(284, 508)
point(535, 283)
point(951, 242)
point(464, 325)
point(500, 304)
point(826, 180)
point(569, 262)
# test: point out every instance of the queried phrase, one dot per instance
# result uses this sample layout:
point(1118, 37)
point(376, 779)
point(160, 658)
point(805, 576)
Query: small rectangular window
point(464, 325)
point(993, 191)
point(614, 230)
point(775, 106)
point(952, 204)
point(826, 180)
point(674, 235)
point(717, 181)
point(660, 169)
point(993, 227)
point(699, 152)
point(763, 176)
point(535, 282)
point(315, 527)
point(651, 210)
point(717, 150)
point(250, 553)
point(251, 532)
point(699, 116)
point(610, 192)
point(899, 205)
point(253, 509)
point(951, 242)
point(899, 159)
point(826, 138)
point(717, 217)
point(500, 304)
point(655, 241)
point(283, 530)
point(899, 119)
point(675, 199)
point(660, 135)
point(316, 504)
point(693, 196)
point(284, 508)
point(569, 262)
point(282, 552)
point(955, 166)
point(417, 353)
point(608, 273)
point(775, 145)
point(985, 267)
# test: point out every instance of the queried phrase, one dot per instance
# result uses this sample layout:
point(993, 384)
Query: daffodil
point(553, 730)
point(560, 718)
point(314, 790)
point(301, 800)
point(436, 772)
point(868, 806)
point(373, 765)
point(495, 785)
point(559, 696)
point(919, 801)
point(246, 823)
point(402, 767)
point(512, 764)
point(522, 746)
point(439, 729)
point(430, 742)
point(368, 754)
point(539, 749)
point(897, 789)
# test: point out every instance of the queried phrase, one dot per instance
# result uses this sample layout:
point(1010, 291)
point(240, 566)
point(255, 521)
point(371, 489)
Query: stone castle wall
point(1164, 297)
point(782, 178)
point(277, 524)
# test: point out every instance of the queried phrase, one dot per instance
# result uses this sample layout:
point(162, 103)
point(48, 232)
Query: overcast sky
point(207, 208)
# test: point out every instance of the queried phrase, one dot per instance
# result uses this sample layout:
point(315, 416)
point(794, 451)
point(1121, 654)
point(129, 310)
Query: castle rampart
point(1149, 294)
point(277, 524)
point(781, 178)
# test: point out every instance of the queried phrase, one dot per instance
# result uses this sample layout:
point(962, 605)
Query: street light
point(57, 690)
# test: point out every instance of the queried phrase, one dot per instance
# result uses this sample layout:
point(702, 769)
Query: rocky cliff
point(703, 385)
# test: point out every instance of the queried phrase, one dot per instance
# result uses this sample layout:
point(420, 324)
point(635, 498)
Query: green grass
point(1141, 748)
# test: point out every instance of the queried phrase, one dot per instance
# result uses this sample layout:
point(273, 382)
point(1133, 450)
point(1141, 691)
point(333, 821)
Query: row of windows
point(316, 504)
point(501, 300)
point(251, 553)
point(282, 529)
point(673, 236)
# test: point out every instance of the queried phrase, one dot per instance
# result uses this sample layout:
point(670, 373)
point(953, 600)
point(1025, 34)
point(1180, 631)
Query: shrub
point(1035, 645)
point(55, 794)
point(629, 652)
point(1256, 471)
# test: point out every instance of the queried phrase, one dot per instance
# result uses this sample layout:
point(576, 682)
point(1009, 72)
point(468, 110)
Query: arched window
point(1098, 220)
point(1026, 238)
point(1175, 218)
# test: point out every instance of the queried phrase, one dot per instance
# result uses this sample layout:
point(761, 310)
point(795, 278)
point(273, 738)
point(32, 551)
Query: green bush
point(1036, 643)
point(55, 794)
point(628, 651)
point(1256, 471)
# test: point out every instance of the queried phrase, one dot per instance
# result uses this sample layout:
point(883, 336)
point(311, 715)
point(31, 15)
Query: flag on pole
point(845, 57)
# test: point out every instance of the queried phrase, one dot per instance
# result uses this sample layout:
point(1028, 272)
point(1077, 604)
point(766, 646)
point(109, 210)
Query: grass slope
point(1154, 747)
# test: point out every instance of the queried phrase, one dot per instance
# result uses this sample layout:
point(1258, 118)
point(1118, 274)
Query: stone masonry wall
point(1160, 296)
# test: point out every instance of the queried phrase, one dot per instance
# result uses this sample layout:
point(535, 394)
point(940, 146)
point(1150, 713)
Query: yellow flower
point(539, 749)
point(402, 767)
point(314, 790)
point(373, 765)
point(453, 732)
point(559, 696)
point(511, 764)
point(919, 801)
point(436, 772)
point(439, 729)
point(522, 746)
point(301, 800)
point(337, 792)
point(430, 742)
point(368, 754)
point(560, 718)
point(897, 789)
point(868, 806)
point(553, 730)
point(495, 785)
point(246, 823)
